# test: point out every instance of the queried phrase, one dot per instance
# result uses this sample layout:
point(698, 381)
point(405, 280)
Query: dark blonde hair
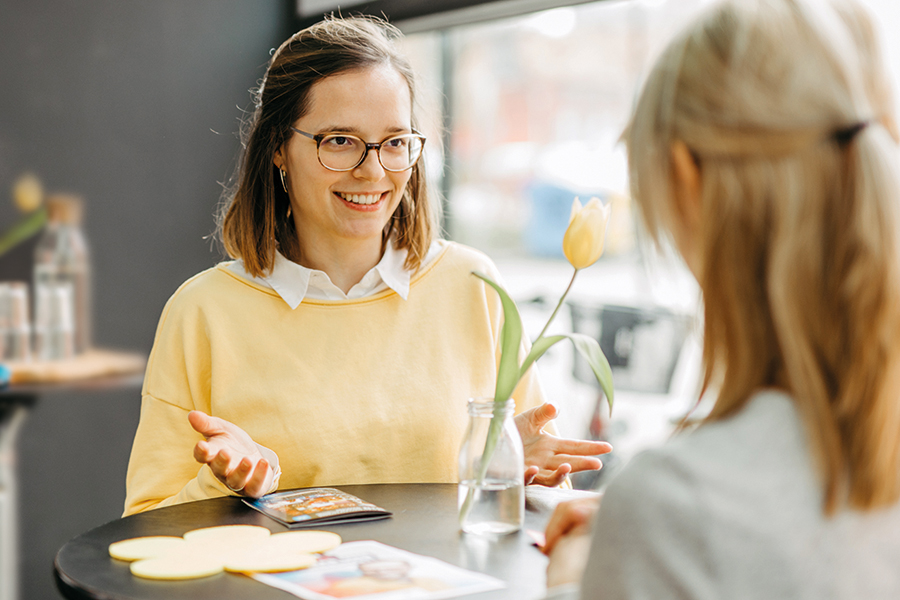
point(252, 222)
point(784, 106)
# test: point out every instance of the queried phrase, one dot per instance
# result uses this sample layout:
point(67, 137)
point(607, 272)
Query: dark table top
point(13, 397)
point(424, 522)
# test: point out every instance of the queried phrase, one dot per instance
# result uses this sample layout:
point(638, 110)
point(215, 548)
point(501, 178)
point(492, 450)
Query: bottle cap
point(65, 208)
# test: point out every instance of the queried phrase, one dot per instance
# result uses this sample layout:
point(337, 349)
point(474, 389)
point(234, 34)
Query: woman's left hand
point(568, 559)
point(548, 459)
point(568, 540)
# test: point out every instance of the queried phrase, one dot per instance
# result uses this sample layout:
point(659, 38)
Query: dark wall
point(135, 106)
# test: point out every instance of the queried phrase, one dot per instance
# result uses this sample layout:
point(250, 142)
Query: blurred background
point(135, 107)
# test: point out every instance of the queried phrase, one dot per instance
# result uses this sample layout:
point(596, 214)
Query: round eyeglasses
point(345, 152)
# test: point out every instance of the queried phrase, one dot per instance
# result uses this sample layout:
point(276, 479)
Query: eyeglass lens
point(343, 152)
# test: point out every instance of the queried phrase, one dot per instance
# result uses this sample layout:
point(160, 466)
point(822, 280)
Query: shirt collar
point(291, 281)
point(393, 271)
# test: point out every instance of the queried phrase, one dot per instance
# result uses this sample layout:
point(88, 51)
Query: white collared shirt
point(294, 282)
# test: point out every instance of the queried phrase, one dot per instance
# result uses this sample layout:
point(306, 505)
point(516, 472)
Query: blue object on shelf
point(551, 206)
point(5, 376)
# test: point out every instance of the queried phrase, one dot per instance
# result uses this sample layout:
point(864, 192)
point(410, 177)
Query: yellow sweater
point(344, 392)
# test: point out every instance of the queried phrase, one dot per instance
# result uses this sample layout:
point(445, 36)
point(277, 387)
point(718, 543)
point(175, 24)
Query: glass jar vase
point(491, 471)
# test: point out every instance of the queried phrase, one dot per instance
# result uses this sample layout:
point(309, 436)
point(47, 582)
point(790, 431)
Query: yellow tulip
point(583, 242)
point(28, 194)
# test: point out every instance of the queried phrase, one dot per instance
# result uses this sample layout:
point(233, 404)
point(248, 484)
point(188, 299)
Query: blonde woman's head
point(782, 109)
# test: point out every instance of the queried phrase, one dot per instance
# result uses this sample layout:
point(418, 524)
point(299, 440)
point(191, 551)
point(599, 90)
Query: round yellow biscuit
point(214, 551)
point(178, 566)
point(303, 541)
point(145, 547)
point(268, 559)
point(228, 534)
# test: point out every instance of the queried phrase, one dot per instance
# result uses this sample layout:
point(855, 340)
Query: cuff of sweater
point(272, 459)
point(209, 484)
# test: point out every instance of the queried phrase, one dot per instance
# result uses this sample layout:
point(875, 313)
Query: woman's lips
point(361, 198)
point(364, 202)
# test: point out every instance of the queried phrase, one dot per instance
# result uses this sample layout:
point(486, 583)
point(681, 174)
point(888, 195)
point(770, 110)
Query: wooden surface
point(424, 522)
point(92, 364)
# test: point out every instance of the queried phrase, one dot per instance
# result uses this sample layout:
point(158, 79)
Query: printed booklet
point(374, 571)
point(316, 507)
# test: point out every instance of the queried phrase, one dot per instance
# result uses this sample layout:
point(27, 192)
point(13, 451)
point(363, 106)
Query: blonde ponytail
point(784, 106)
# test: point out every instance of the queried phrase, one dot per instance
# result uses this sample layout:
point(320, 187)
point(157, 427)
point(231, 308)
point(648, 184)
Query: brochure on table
point(315, 507)
point(374, 571)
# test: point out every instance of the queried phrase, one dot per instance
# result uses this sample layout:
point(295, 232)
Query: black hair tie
point(845, 136)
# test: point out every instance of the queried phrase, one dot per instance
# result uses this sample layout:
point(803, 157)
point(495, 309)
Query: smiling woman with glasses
point(341, 344)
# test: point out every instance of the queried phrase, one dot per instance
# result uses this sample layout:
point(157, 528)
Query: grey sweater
point(734, 511)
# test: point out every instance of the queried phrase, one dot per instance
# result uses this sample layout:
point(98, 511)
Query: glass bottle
point(62, 282)
point(491, 476)
point(15, 324)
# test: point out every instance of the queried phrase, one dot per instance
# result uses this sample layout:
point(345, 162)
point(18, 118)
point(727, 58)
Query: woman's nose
point(370, 168)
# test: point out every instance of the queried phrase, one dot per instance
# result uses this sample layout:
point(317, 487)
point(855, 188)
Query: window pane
point(534, 108)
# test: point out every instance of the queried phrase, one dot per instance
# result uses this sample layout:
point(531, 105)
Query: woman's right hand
point(232, 455)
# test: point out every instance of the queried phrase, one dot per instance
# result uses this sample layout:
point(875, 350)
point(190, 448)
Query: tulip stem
point(558, 306)
point(22, 230)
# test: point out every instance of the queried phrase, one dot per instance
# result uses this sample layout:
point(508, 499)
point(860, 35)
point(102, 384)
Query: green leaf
point(510, 340)
point(541, 345)
point(590, 350)
point(23, 230)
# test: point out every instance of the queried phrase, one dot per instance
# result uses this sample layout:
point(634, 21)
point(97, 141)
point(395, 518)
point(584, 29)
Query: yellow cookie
point(303, 541)
point(178, 566)
point(145, 547)
point(231, 535)
point(263, 558)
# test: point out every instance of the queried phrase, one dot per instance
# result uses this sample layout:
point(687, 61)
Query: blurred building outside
point(526, 113)
point(530, 110)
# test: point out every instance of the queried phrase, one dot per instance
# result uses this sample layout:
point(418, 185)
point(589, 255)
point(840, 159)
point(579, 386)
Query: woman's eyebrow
point(357, 131)
point(339, 128)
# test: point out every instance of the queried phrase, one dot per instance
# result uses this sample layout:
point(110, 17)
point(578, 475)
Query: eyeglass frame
point(318, 137)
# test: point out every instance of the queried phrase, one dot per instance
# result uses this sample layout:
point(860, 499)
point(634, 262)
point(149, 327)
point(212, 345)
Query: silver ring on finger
point(238, 491)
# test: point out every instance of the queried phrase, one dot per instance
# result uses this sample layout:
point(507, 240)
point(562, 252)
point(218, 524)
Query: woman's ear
point(278, 159)
point(686, 180)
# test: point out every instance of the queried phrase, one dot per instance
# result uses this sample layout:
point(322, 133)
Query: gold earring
point(282, 173)
point(289, 212)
